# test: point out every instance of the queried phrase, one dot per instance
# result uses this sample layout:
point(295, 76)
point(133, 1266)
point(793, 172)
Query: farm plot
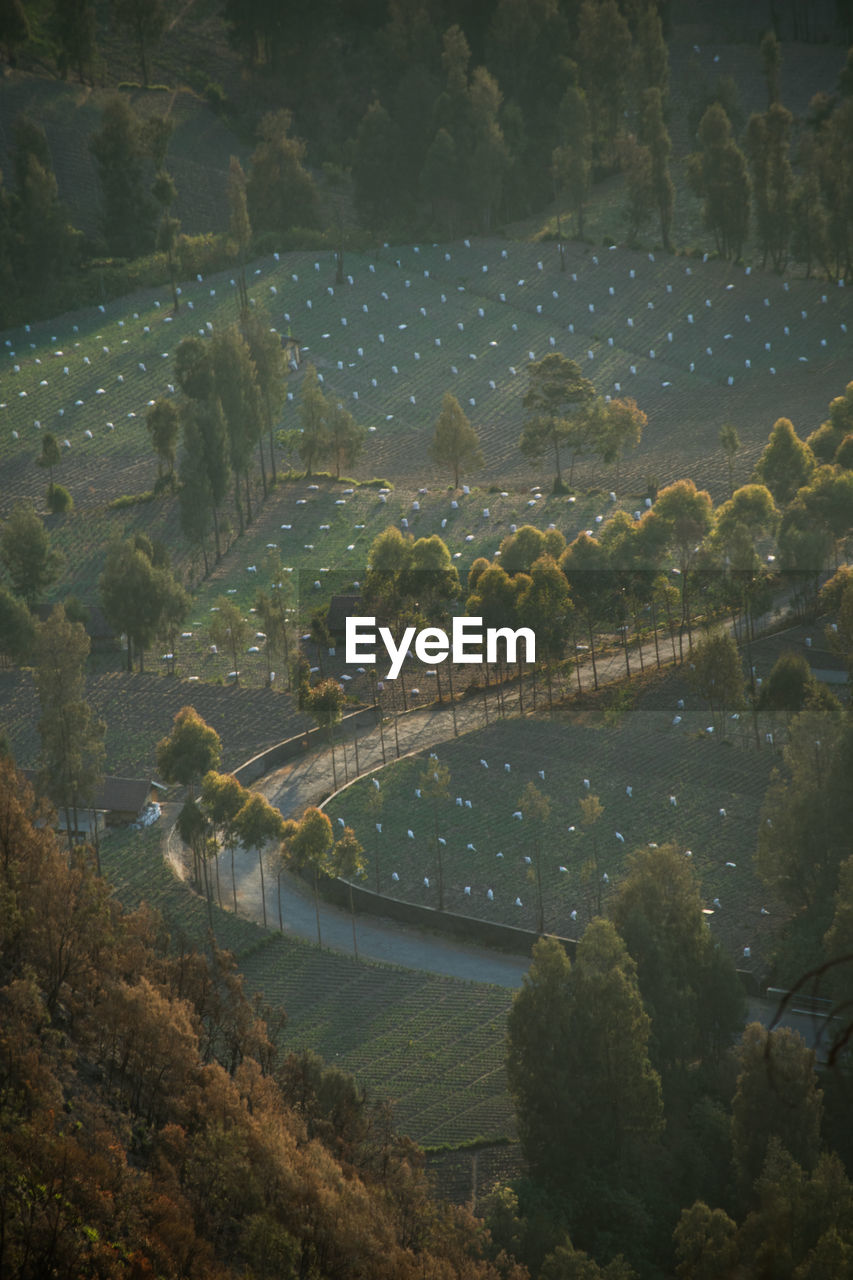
point(133, 863)
point(316, 536)
point(434, 1045)
point(139, 710)
point(83, 541)
point(694, 342)
point(657, 781)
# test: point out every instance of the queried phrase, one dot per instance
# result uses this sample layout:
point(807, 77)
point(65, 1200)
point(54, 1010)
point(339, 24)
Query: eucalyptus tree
point(585, 564)
point(557, 396)
point(222, 797)
point(72, 739)
point(325, 702)
point(31, 562)
point(455, 444)
point(578, 1062)
point(346, 860)
point(310, 849)
point(257, 824)
point(718, 174)
point(684, 517)
point(229, 629)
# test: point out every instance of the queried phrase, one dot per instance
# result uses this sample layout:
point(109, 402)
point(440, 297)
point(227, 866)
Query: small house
point(117, 802)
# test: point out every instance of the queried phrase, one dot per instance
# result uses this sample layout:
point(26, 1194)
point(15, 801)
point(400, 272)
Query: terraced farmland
point(432, 1044)
point(139, 710)
point(414, 322)
point(680, 779)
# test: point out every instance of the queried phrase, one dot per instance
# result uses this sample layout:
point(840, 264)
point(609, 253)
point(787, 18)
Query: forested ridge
point(364, 123)
point(151, 1125)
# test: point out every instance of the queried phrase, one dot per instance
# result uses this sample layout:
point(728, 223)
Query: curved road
point(309, 779)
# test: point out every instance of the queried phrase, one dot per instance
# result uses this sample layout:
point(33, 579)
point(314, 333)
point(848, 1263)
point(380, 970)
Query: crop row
point(658, 782)
point(139, 709)
point(407, 1036)
point(478, 310)
point(432, 1044)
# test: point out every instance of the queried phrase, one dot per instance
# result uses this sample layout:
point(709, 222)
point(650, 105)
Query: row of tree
point(801, 494)
point(800, 217)
point(232, 387)
point(474, 146)
point(219, 814)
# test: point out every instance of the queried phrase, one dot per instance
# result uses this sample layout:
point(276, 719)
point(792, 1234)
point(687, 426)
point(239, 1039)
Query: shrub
point(130, 500)
point(75, 610)
point(215, 95)
point(59, 500)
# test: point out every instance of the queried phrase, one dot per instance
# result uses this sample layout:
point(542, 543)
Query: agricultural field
point(692, 341)
point(657, 781)
point(432, 1044)
point(139, 709)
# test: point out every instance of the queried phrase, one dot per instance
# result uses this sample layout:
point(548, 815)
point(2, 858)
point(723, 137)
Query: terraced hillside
point(696, 344)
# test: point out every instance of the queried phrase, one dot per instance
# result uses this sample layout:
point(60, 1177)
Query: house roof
point(341, 608)
point(123, 795)
point(115, 795)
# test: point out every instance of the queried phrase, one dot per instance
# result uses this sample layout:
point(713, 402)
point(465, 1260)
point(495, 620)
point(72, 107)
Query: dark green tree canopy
point(190, 751)
point(280, 191)
point(25, 550)
point(689, 989)
point(556, 396)
point(718, 174)
point(577, 1061)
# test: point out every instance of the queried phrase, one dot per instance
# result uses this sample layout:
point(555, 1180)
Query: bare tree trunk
point(452, 698)
point(263, 887)
point(317, 908)
point(352, 916)
point(592, 651)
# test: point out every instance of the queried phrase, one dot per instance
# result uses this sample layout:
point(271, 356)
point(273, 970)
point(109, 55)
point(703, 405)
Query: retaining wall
point(300, 745)
point(484, 933)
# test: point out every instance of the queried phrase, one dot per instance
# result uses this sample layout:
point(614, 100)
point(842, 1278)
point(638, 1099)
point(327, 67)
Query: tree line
point(654, 1145)
point(444, 122)
point(634, 576)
